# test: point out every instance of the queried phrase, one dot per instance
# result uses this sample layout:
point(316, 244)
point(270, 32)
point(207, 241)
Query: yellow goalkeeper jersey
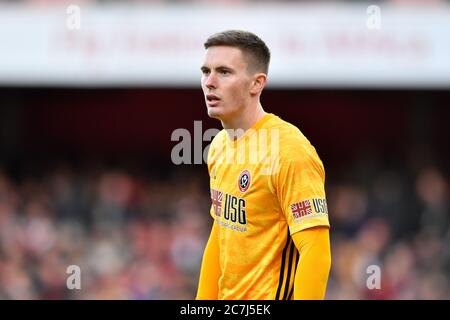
point(265, 186)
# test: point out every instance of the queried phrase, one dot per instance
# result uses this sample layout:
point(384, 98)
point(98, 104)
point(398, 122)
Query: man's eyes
point(222, 72)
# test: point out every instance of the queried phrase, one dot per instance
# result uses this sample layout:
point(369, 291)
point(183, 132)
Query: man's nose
point(211, 81)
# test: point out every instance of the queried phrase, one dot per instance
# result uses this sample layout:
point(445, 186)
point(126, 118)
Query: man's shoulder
point(293, 144)
point(288, 133)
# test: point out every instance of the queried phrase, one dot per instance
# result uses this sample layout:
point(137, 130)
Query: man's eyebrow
point(224, 68)
point(219, 68)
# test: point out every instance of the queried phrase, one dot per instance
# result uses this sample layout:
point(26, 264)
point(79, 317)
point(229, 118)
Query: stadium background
point(86, 176)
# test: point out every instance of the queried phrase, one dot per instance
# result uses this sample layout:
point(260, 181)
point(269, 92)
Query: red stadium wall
point(140, 122)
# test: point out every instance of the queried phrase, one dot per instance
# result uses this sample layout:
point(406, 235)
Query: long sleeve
point(208, 286)
point(314, 265)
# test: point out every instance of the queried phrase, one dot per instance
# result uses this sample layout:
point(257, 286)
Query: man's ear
point(258, 83)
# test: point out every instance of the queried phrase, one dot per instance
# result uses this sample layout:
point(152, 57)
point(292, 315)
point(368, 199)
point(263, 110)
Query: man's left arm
point(300, 186)
point(313, 268)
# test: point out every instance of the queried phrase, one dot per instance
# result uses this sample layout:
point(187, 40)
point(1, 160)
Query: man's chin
point(214, 113)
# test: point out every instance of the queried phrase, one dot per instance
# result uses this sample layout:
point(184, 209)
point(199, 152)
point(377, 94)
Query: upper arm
point(300, 188)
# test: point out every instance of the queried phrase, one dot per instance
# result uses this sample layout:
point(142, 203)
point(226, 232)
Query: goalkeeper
point(270, 235)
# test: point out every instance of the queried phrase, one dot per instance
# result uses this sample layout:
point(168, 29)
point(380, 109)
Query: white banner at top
point(333, 45)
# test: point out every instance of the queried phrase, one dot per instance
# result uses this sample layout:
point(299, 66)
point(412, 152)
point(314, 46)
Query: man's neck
point(236, 127)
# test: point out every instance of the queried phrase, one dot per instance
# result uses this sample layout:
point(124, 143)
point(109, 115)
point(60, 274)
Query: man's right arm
point(208, 285)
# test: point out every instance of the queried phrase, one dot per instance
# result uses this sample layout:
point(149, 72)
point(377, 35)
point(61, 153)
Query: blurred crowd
point(394, 218)
point(132, 237)
point(137, 234)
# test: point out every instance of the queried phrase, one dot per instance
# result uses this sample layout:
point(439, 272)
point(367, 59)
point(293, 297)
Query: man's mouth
point(212, 100)
point(212, 97)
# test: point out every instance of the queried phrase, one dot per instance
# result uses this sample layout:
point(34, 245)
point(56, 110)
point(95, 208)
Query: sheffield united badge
point(244, 180)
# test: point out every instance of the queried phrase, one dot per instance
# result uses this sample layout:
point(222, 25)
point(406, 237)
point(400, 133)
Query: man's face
point(225, 82)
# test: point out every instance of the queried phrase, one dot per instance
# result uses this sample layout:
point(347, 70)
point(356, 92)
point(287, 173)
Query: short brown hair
point(250, 44)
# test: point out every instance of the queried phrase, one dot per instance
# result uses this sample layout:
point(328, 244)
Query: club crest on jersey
point(244, 180)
